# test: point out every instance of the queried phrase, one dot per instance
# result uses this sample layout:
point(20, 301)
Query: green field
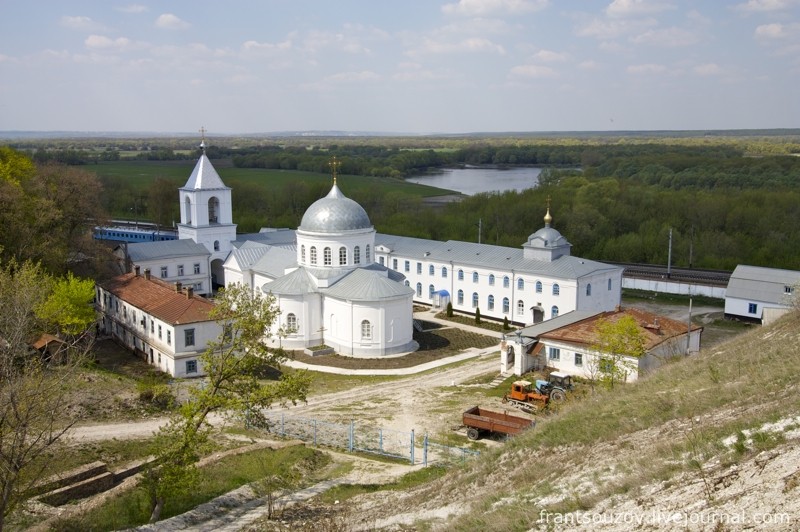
point(140, 174)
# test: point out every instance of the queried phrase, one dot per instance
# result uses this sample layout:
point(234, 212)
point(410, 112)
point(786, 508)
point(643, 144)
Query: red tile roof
point(159, 299)
point(655, 329)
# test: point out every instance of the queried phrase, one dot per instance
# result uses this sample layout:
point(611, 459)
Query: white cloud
point(648, 68)
point(473, 8)
point(474, 44)
point(80, 23)
point(626, 8)
point(549, 56)
point(610, 29)
point(255, 46)
point(353, 77)
point(708, 69)
point(533, 71)
point(101, 42)
point(168, 21)
point(589, 65)
point(772, 31)
point(670, 37)
point(413, 72)
point(133, 8)
point(763, 6)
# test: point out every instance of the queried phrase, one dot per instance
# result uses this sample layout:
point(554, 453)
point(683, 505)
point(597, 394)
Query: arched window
point(460, 297)
point(444, 272)
point(326, 256)
point(520, 307)
point(491, 279)
point(506, 305)
point(474, 299)
point(520, 284)
point(367, 255)
point(506, 282)
point(609, 284)
point(313, 256)
point(589, 289)
point(430, 269)
point(188, 204)
point(357, 255)
point(291, 323)
point(431, 290)
point(342, 256)
point(366, 330)
point(216, 245)
point(490, 303)
point(303, 253)
point(554, 311)
point(213, 210)
point(474, 277)
point(460, 275)
point(419, 289)
point(538, 287)
point(556, 289)
point(408, 284)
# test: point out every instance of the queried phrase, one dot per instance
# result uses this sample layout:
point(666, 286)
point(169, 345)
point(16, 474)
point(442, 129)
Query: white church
point(339, 283)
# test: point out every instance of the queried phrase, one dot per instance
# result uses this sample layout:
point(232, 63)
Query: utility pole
point(691, 246)
point(480, 228)
point(669, 255)
point(689, 327)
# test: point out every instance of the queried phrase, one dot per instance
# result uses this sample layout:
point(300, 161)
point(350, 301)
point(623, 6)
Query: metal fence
point(352, 437)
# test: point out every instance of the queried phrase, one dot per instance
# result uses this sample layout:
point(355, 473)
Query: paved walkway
point(427, 315)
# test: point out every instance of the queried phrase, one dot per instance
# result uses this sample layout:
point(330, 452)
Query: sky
point(410, 66)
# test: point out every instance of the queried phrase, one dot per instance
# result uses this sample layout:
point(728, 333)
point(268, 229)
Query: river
point(474, 180)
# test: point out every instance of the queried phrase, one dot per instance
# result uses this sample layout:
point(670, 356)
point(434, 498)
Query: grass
point(344, 492)
point(132, 508)
point(631, 295)
point(488, 324)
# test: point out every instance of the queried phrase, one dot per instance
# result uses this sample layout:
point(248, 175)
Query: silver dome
point(549, 237)
point(335, 213)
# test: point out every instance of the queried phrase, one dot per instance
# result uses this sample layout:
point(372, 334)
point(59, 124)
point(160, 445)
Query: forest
point(728, 199)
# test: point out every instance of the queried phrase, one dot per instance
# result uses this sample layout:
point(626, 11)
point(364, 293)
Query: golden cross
point(334, 164)
point(548, 202)
point(203, 133)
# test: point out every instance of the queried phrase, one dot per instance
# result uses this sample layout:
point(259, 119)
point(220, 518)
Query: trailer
point(479, 420)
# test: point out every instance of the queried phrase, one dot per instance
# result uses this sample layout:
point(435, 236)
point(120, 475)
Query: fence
point(356, 438)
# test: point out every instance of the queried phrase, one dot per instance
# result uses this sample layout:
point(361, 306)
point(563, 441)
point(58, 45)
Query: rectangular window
point(381, 261)
point(394, 264)
point(752, 308)
point(554, 353)
point(197, 268)
point(407, 266)
point(191, 366)
point(180, 269)
point(419, 268)
point(152, 326)
point(169, 337)
point(189, 337)
point(159, 332)
point(788, 289)
point(578, 359)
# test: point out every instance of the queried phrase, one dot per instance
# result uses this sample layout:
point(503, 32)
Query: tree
point(619, 345)
point(449, 310)
point(162, 201)
point(34, 408)
point(69, 305)
point(477, 315)
point(234, 365)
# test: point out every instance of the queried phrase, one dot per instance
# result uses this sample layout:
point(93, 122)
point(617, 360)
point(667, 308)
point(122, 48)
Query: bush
point(449, 309)
point(477, 315)
point(506, 326)
point(155, 393)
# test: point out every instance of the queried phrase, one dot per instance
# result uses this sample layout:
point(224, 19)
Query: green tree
point(477, 315)
point(449, 310)
point(162, 202)
point(69, 305)
point(619, 345)
point(235, 365)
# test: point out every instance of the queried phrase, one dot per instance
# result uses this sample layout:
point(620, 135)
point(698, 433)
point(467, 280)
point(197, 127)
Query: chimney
point(136, 270)
point(189, 292)
point(147, 273)
point(178, 286)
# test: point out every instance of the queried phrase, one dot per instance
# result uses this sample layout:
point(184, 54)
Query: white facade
point(752, 290)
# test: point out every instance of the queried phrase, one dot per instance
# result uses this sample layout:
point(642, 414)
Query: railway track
point(687, 275)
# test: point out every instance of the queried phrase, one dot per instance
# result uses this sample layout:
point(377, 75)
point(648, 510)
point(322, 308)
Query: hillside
point(711, 442)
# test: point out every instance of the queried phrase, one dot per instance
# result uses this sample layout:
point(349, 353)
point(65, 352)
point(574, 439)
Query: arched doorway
point(217, 275)
point(538, 314)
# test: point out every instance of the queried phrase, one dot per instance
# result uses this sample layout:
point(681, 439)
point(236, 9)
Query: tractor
point(526, 397)
point(556, 385)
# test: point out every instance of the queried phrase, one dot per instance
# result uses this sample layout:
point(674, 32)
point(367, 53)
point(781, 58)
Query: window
point(216, 245)
point(342, 256)
point(490, 303)
point(491, 279)
point(474, 277)
point(520, 307)
point(191, 365)
point(419, 268)
point(407, 266)
point(152, 326)
point(169, 337)
point(506, 282)
point(419, 289)
point(357, 254)
point(554, 311)
point(291, 323)
point(303, 253)
point(556, 289)
point(460, 297)
point(144, 323)
point(460, 275)
point(538, 287)
point(578, 359)
point(788, 289)
point(326, 256)
point(163, 271)
point(159, 332)
point(313, 256)
point(180, 270)
point(609, 284)
point(752, 308)
point(431, 290)
point(408, 284)
point(444, 273)
point(506, 305)
point(366, 330)
point(474, 299)
point(430, 270)
point(366, 253)
point(520, 284)
point(380, 259)
point(197, 268)
point(554, 353)
point(589, 289)
point(188, 337)
point(394, 264)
